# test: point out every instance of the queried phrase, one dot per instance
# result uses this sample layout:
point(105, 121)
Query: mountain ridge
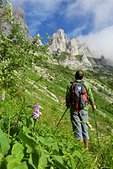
point(59, 42)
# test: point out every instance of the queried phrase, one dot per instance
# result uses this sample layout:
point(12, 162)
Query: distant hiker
point(78, 96)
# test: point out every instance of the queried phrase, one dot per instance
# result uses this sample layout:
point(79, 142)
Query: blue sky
point(90, 20)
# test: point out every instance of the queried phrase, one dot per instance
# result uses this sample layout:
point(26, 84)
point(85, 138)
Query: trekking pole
point(96, 127)
point(61, 117)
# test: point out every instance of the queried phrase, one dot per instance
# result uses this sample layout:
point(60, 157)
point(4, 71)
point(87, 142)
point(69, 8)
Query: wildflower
point(36, 113)
point(3, 96)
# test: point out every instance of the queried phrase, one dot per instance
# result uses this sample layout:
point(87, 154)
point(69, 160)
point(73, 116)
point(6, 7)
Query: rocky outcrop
point(18, 14)
point(83, 63)
point(86, 62)
point(103, 61)
point(72, 47)
point(4, 26)
point(59, 42)
point(78, 53)
point(83, 49)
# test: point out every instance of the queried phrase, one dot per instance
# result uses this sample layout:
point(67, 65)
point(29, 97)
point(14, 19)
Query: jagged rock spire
point(60, 43)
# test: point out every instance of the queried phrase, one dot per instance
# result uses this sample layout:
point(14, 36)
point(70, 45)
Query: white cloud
point(48, 6)
point(100, 37)
point(103, 14)
point(101, 11)
point(80, 8)
point(101, 42)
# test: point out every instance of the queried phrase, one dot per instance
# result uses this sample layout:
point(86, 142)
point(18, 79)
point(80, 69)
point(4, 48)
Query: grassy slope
point(46, 83)
point(50, 90)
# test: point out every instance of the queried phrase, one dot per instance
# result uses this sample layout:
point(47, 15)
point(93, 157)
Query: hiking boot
point(86, 142)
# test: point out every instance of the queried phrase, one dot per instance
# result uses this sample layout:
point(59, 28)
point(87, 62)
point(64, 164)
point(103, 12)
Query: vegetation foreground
point(28, 76)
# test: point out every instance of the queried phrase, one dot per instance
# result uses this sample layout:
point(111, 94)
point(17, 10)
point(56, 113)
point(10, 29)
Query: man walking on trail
point(78, 96)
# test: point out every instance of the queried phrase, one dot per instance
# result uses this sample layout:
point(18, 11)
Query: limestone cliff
point(18, 14)
point(78, 54)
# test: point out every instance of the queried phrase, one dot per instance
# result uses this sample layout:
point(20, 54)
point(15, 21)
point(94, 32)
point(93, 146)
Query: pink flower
point(36, 113)
point(3, 96)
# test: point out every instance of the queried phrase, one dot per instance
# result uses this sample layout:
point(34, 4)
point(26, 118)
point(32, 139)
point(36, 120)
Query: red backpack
point(79, 96)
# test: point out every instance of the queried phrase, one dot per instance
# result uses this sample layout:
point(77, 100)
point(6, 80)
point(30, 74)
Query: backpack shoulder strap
point(73, 92)
point(85, 96)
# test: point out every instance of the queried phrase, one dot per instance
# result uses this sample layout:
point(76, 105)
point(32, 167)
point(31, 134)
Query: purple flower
point(36, 113)
point(3, 96)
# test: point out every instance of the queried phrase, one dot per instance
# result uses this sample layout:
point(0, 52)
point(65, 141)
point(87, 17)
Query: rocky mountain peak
point(59, 42)
point(83, 49)
point(85, 61)
point(60, 33)
point(78, 53)
point(72, 47)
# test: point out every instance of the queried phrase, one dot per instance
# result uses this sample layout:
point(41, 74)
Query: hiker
point(78, 95)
